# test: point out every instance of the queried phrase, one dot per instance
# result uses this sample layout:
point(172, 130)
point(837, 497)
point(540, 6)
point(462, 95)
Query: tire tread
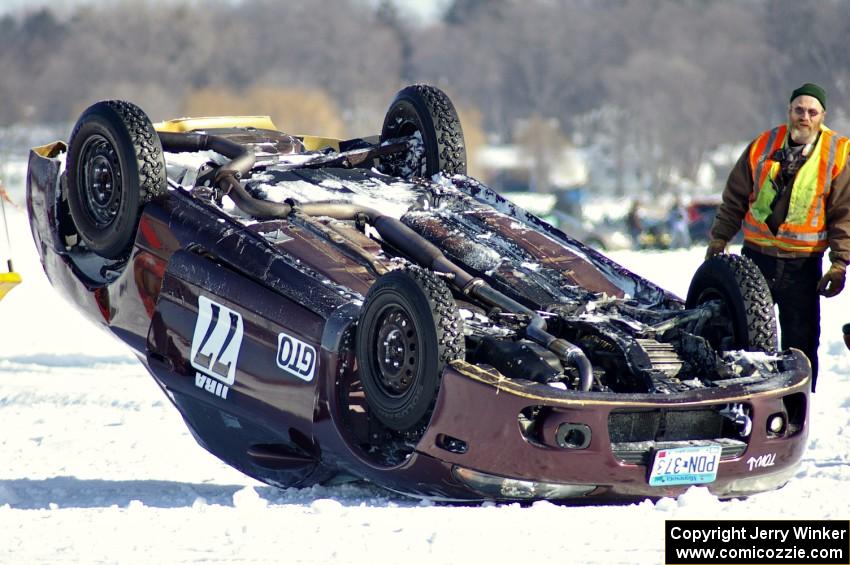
point(143, 172)
point(753, 291)
point(451, 149)
point(148, 149)
point(445, 150)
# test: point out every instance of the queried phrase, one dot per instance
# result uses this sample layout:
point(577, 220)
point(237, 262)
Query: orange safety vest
point(804, 229)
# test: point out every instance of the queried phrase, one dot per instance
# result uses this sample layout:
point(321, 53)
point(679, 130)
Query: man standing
point(634, 221)
point(790, 190)
point(677, 220)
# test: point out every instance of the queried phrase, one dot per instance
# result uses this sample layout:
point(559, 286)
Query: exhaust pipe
point(567, 352)
point(392, 230)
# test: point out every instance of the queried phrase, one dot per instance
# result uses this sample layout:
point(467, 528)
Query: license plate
point(685, 465)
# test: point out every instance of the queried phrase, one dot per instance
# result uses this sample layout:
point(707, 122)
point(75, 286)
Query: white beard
point(803, 135)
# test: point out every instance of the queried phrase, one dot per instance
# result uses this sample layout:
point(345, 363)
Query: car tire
point(427, 110)
point(747, 320)
point(114, 167)
point(409, 329)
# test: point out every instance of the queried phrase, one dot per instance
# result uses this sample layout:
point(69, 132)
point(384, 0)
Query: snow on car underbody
point(364, 309)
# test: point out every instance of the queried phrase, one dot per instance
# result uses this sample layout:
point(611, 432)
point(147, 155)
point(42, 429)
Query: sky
point(426, 10)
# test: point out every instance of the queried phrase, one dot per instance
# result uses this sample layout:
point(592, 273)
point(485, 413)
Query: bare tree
point(653, 85)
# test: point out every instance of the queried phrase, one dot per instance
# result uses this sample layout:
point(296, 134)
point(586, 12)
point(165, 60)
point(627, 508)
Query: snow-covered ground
point(97, 467)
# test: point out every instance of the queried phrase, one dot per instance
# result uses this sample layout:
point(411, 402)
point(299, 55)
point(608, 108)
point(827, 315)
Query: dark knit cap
point(810, 89)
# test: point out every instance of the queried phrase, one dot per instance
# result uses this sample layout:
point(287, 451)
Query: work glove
point(833, 281)
point(715, 247)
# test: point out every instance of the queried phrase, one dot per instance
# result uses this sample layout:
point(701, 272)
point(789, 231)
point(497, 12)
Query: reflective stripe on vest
point(804, 229)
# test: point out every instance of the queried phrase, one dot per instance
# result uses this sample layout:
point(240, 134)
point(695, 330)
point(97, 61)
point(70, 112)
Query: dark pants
point(793, 285)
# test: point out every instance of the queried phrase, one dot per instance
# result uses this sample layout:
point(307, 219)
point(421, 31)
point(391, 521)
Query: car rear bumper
point(480, 428)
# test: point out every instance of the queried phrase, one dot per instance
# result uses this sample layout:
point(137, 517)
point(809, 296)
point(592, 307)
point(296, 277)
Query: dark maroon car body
point(287, 409)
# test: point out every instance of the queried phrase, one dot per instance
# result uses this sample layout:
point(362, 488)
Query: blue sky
point(424, 9)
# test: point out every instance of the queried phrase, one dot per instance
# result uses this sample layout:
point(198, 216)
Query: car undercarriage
point(323, 308)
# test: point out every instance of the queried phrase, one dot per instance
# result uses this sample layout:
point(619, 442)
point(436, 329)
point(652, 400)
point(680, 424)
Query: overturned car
point(322, 309)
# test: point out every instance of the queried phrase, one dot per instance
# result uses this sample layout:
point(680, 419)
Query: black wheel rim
point(413, 160)
point(396, 347)
point(100, 178)
point(720, 330)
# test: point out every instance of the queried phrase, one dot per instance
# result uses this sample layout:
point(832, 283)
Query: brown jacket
point(736, 202)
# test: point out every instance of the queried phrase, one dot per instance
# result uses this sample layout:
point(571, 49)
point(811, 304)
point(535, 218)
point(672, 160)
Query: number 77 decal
point(216, 341)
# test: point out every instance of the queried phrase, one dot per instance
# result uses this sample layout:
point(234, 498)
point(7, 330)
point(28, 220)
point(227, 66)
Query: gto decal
point(296, 357)
point(215, 346)
point(766, 460)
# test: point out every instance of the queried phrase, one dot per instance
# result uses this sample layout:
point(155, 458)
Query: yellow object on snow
point(8, 281)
